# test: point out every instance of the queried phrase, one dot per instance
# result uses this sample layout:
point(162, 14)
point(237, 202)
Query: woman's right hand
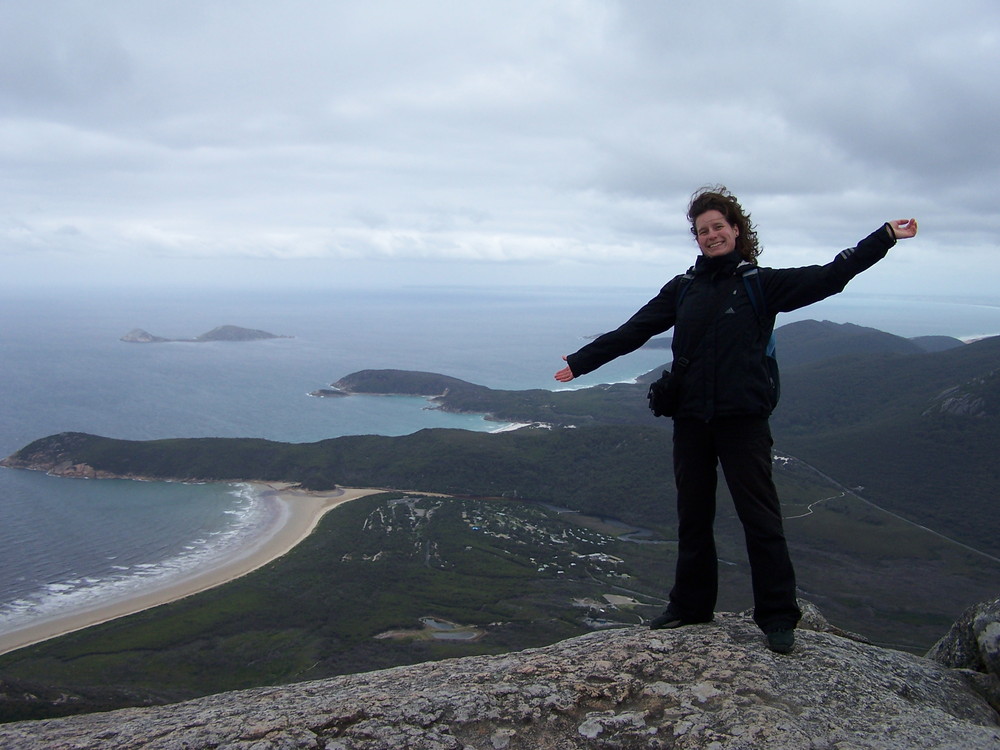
point(565, 374)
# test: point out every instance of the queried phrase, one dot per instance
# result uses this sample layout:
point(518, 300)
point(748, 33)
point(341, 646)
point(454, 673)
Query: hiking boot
point(667, 620)
point(670, 619)
point(781, 641)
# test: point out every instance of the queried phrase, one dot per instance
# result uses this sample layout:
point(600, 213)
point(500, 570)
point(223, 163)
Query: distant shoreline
point(300, 512)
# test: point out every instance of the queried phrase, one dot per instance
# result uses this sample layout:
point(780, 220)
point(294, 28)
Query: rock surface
point(705, 686)
point(973, 643)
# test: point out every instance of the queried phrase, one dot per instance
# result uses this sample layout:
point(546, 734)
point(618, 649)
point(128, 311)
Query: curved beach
point(299, 513)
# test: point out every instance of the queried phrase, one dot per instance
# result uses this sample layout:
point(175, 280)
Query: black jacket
point(728, 375)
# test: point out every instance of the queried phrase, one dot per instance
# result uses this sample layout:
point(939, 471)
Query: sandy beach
point(300, 512)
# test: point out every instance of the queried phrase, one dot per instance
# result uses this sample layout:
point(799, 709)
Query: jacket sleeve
point(787, 289)
point(655, 317)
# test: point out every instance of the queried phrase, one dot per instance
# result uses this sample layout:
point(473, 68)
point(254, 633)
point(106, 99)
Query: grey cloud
point(562, 132)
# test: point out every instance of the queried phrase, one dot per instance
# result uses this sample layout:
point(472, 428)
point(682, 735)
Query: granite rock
point(711, 686)
point(973, 643)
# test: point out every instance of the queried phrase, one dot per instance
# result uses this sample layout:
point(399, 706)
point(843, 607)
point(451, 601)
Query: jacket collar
point(720, 265)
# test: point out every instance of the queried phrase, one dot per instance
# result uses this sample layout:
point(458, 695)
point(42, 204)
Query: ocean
point(67, 544)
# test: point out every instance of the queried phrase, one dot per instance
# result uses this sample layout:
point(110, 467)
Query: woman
point(727, 393)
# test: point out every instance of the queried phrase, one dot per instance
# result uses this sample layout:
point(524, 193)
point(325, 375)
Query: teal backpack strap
point(756, 299)
point(755, 290)
point(685, 284)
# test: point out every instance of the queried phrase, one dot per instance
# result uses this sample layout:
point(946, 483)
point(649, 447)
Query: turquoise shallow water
point(62, 367)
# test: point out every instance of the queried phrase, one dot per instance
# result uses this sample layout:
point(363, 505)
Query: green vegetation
point(607, 404)
point(913, 433)
point(614, 471)
point(877, 421)
point(902, 428)
point(375, 564)
point(521, 574)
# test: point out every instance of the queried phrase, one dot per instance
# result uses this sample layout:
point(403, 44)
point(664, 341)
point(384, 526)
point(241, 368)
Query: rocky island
point(221, 333)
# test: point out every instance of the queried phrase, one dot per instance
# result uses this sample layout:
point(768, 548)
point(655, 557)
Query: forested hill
point(619, 471)
point(918, 433)
point(916, 430)
point(808, 341)
point(605, 404)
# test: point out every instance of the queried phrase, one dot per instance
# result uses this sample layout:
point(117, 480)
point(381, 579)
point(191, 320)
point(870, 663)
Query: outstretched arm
point(787, 289)
point(656, 316)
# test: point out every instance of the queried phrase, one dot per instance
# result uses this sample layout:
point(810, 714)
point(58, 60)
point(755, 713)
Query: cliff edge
point(706, 686)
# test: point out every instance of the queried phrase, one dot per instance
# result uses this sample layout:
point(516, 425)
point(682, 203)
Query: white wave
point(253, 517)
point(510, 427)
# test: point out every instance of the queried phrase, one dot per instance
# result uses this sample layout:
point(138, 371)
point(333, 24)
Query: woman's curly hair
point(718, 198)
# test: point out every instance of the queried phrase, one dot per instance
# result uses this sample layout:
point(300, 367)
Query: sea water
point(66, 544)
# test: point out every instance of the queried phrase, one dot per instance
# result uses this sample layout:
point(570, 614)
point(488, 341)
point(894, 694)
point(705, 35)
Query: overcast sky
point(536, 142)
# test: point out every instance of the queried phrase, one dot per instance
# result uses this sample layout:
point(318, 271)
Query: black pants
point(743, 447)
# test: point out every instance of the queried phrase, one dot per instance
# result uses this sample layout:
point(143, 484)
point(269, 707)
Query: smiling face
point(715, 235)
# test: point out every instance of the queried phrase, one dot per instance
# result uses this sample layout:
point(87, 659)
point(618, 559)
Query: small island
point(328, 393)
point(222, 333)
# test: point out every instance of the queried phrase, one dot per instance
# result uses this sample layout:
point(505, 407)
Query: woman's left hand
point(903, 228)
